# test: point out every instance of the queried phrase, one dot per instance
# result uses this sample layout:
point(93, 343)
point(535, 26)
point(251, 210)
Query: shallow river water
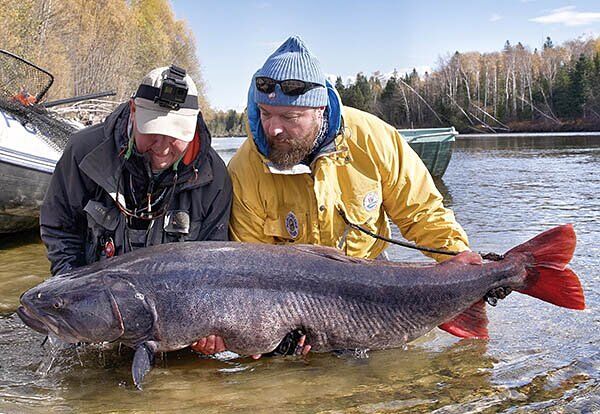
point(540, 358)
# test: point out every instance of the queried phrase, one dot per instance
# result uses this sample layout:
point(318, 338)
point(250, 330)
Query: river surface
point(540, 358)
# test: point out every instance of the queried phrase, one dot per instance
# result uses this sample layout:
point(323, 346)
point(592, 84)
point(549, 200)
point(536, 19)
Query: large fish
point(165, 297)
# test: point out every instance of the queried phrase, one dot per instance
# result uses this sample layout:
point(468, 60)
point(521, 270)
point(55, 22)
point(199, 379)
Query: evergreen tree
point(580, 84)
point(364, 94)
point(339, 85)
point(231, 120)
point(562, 97)
point(390, 103)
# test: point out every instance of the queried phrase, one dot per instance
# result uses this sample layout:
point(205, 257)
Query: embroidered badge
point(371, 201)
point(109, 248)
point(291, 224)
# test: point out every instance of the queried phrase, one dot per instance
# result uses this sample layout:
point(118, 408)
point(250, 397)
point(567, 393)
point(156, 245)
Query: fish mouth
point(31, 321)
point(47, 324)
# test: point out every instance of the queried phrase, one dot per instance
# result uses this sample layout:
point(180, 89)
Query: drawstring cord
point(487, 256)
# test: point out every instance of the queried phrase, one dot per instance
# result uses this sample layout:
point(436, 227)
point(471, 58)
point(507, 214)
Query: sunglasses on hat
point(290, 87)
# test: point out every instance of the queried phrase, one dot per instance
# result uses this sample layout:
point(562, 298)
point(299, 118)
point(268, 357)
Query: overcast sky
point(235, 37)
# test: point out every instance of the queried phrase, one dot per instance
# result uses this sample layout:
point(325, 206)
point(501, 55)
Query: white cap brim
point(151, 118)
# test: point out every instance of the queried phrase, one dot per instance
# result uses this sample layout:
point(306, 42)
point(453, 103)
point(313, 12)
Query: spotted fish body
point(165, 297)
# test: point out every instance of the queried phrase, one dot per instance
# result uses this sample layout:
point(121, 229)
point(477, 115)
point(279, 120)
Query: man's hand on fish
point(469, 257)
point(209, 345)
point(214, 344)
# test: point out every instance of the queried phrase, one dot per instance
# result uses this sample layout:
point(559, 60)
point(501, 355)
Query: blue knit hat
point(292, 60)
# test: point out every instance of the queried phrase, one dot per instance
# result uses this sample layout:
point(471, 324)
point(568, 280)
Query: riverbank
point(531, 135)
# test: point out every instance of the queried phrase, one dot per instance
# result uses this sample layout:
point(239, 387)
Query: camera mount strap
point(151, 93)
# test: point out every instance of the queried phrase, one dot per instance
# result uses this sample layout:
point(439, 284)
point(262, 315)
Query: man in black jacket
point(147, 175)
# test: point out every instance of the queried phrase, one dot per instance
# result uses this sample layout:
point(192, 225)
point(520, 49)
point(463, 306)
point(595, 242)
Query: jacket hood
point(334, 109)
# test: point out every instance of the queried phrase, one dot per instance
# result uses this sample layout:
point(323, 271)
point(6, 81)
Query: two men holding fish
point(308, 165)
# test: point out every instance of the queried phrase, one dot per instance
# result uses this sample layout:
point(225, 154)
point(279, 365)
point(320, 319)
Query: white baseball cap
point(152, 117)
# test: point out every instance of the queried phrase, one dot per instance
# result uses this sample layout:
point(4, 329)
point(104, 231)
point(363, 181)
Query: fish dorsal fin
point(471, 323)
point(142, 363)
point(329, 253)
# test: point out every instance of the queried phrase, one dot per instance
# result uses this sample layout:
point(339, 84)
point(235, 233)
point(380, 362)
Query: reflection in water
point(418, 376)
point(23, 264)
point(540, 358)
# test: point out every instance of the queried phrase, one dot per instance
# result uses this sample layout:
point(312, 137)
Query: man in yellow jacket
point(309, 161)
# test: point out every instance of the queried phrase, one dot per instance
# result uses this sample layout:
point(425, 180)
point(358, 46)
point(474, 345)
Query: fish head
point(75, 309)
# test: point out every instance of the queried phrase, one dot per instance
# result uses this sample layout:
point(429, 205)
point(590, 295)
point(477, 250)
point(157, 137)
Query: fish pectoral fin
point(471, 323)
point(142, 363)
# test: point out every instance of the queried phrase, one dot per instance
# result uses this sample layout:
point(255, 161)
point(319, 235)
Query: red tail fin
point(548, 279)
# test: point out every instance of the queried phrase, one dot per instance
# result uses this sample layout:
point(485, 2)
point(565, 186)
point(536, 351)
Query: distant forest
point(554, 88)
point(95, 46)
point(100, 45)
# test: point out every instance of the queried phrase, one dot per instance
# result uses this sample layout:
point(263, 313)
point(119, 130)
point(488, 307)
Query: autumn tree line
point(552, 88)
point(548, 89)
point(110, 44)
point(101, 45)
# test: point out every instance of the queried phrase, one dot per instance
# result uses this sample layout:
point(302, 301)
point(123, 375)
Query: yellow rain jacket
point(372, 175)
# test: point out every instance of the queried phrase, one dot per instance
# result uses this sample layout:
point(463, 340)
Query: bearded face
point(291, 132)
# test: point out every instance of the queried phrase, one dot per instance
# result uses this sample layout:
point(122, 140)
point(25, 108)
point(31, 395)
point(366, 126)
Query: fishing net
point(22, 86)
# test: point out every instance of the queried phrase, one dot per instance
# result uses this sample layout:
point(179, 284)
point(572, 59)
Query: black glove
point(289, 344)
point(494, 295)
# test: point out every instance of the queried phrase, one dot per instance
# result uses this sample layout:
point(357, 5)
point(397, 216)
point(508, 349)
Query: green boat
point(433, 145)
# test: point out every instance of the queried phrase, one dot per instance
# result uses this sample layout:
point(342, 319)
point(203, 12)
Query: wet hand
point(209, 345)
point(496, 294)
point(301, 348)
point(468, 257)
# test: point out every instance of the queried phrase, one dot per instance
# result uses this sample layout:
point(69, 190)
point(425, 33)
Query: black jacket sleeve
point(62, 219)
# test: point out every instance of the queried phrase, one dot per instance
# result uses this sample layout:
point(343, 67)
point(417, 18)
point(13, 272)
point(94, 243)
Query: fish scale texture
point(253, 295)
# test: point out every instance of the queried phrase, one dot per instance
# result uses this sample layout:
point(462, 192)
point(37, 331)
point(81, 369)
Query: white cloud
point(495, 17)
point(568, 16)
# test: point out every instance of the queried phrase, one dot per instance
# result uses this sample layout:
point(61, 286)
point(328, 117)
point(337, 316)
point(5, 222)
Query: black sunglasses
point(290, 87)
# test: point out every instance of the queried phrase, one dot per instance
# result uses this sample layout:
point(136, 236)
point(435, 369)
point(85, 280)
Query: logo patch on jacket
point(371, 201)
point(291, 224)
point(109, 248)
